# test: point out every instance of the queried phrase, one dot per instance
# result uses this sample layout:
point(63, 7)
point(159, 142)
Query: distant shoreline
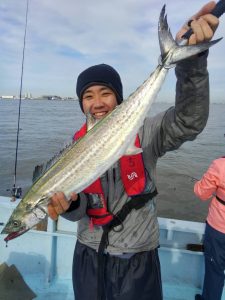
point(41, 99)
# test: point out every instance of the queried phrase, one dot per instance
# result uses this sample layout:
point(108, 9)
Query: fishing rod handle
point(218, 10)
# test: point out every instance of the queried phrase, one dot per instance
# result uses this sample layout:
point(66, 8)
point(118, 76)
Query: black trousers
point(136, 278)
point(214, 252)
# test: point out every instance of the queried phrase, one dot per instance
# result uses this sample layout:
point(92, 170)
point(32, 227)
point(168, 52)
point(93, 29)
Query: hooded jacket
point(166, 131)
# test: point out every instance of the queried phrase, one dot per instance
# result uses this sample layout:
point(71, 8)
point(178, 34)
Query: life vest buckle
point(120, 223)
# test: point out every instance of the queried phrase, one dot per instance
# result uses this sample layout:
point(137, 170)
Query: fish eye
point(29, 206)
point(16, 223)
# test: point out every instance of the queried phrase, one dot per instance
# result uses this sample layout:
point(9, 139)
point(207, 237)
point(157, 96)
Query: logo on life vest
point(132, 176)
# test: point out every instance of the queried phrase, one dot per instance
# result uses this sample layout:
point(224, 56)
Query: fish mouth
point(15, 234)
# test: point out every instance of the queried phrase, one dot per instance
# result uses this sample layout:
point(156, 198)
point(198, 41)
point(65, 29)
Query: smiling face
point(98, 100)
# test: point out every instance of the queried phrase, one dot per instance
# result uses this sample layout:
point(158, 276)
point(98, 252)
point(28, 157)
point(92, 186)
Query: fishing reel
point(16, 192)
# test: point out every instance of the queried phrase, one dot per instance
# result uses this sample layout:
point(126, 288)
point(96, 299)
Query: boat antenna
point(16, 192)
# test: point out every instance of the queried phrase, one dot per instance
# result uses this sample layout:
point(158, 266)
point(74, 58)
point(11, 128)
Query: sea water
point(46, 126)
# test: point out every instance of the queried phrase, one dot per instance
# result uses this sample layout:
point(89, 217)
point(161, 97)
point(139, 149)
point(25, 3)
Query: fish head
point(23, 218)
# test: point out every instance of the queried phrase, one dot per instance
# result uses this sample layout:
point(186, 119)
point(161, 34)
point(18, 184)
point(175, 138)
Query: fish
point(104, 144)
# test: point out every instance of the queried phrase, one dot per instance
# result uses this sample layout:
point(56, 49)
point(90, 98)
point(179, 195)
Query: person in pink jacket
point(212, 186)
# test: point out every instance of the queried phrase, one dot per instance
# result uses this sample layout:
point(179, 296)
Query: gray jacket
point(164, 132)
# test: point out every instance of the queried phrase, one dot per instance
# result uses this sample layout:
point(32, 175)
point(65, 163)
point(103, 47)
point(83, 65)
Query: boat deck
point(44, 258)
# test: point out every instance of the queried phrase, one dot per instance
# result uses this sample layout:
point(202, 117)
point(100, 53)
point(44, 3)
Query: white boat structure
point(44, 258)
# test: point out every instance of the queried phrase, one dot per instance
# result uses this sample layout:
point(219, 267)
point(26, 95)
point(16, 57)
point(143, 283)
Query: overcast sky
point(66, 36)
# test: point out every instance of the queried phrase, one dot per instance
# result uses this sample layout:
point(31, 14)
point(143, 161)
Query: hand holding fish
point(59, 204)
point(203, 24)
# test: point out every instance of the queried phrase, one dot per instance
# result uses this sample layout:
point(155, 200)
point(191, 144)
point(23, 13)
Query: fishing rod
point(218, 10)
point(193, 179)
point(16, 192)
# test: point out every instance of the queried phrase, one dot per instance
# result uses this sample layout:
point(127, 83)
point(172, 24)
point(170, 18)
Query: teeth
point(99, 114)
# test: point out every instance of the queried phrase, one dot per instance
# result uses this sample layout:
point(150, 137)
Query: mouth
point(100, 115)
point(14, 235)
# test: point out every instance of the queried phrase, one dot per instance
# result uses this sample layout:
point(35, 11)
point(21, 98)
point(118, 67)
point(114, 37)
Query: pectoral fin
point(133, 150)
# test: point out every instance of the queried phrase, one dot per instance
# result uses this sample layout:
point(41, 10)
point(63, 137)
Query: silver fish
point(104, 143)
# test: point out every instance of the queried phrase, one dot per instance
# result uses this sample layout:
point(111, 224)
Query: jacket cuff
point(74, 204)
point(194, 63)
point(76, 213)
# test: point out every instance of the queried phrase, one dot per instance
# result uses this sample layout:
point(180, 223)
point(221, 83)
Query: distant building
point(51, 97)
point(8, 97)
point(28, 96)
point(68, 98)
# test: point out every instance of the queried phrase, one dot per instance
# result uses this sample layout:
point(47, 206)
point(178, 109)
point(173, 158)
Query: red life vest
point(132, 172)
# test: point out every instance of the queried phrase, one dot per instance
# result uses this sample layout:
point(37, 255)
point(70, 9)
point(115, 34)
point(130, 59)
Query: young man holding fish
point(121, 262)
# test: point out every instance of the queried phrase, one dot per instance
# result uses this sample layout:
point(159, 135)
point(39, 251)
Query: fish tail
point(171, 51)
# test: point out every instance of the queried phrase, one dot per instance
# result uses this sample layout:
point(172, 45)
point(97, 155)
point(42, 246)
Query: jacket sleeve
point(76, 213)
point(184, 121)
point(207, 185)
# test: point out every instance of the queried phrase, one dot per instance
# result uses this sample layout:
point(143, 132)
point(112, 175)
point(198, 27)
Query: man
point(131, 268)
point(212, 185)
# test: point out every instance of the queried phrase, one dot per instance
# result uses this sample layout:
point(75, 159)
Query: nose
point(98, 101)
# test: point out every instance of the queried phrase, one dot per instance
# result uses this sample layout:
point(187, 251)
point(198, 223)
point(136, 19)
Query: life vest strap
point(136, 202)
point(220, 200)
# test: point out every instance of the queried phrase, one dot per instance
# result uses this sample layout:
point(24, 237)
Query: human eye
point(87, 97)
point(106, 93)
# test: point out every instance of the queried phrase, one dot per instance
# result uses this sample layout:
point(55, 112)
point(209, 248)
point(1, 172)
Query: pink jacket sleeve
point(209, 182)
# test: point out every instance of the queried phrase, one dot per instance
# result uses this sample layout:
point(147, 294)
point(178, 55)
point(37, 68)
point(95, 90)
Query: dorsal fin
point(39, 170)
